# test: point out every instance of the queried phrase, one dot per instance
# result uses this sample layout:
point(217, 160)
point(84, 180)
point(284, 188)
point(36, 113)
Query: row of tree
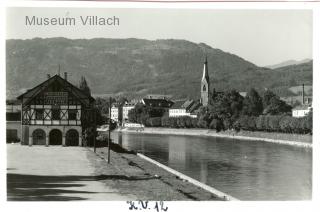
point(142, 113)
point(268, 123)
point(276, 123)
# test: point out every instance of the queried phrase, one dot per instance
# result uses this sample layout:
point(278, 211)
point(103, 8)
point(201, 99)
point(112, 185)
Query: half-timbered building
point(55, 113)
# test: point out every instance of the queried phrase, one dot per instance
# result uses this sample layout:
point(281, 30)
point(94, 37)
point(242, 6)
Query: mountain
point(136, 67)
point(288, 63)
point(290, 76)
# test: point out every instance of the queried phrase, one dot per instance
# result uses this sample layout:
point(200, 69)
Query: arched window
point(204, 88)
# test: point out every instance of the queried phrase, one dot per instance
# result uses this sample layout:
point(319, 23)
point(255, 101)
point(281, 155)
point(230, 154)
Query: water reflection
point(245, 169)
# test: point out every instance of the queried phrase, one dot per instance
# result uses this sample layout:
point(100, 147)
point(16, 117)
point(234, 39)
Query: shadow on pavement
point(22, 187)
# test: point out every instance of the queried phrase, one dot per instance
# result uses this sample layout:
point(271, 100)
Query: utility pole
point(109, 130)
point(94, 130)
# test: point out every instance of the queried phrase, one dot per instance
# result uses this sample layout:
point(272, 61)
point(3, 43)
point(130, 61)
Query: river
point(247, 170)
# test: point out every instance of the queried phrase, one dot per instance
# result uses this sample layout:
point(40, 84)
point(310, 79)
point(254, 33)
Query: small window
point(55, 114)
point(72, 114)
point(39, 114)
point(204, 88)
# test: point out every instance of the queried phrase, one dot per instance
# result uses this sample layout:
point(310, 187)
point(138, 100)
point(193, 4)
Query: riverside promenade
point(56, 173)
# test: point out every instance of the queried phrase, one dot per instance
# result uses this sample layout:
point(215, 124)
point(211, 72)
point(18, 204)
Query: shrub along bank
point(266, 123)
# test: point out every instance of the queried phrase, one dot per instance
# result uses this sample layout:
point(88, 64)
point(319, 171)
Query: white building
point(125, 111)
point(184, 108)
point(13, 120)
point(120, 113)
point(116, 112)
point(301, 111)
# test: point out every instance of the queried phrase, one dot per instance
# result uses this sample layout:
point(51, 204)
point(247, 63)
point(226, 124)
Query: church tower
point(205, 85)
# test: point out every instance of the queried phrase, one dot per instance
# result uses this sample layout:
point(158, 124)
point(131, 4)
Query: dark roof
point(116, 104)
point(183, 104)
point(194, 107)
point(177, 104)
point(129, 104)
point(157, 96)
point(157, 102)
point(31, 93)
point(190, 105)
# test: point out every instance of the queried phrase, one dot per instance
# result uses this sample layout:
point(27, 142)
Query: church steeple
point(205, 84)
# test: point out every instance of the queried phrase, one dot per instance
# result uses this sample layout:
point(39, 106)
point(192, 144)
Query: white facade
point(180, 112)
point(300, 112)
point(115, 113)
point(125, 111)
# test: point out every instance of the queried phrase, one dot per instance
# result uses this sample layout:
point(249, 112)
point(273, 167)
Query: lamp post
point(94, 131)
point(109, 130)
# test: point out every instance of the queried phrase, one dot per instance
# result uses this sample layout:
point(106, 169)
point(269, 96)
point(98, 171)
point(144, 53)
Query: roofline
point(56, 75)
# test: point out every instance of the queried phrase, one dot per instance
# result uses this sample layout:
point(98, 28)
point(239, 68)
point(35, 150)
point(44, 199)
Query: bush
point(153, 122)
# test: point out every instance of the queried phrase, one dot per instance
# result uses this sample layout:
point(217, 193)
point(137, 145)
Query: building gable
point(55, 90)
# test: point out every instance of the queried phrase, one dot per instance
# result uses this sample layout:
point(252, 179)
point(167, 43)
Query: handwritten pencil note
point(140, 205)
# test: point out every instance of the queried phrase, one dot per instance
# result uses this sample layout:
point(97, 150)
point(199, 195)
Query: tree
point(121, 100)
point(203, 118)
point(83, 85)
point(245, 123)
point(141, 113)
point(267, 96)
point(277, 107)
point(103, 105)
point(252, 104)
point(273, 105)
point(225, 107)
point(134, 114)
point(308, 120)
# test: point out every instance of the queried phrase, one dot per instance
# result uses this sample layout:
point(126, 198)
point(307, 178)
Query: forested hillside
point(135, 67)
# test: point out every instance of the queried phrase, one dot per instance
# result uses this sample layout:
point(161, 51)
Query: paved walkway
point(54, 173)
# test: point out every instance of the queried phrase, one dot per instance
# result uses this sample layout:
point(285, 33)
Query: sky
point(263, 37)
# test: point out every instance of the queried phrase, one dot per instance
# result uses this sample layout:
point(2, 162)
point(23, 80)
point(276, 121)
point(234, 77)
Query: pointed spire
point(205, 70)
point(205, 84)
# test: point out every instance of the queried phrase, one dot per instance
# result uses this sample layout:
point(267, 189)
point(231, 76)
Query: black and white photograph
point(150, 105)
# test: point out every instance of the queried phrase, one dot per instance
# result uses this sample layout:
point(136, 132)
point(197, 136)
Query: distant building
point(294, 100)
point(243, 94)
point(307, 89)
point(184, 108)
point(301, 111)
point(120, 112)
point(158, 96)
point(116, 112)
point(125, 111)
point(13, 121)
point(205, 85)
point(303, 95)
point(157, 103)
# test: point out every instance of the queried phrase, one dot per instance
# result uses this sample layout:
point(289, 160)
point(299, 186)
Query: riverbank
point(280, 138)
point(133, 174)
